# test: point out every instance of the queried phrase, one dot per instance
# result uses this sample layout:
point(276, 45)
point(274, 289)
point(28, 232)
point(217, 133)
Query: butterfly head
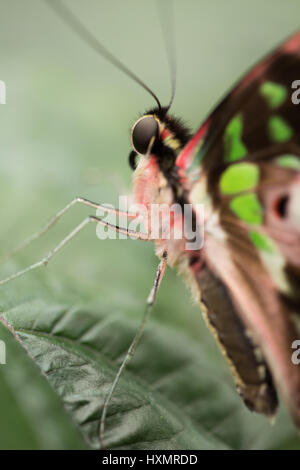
point(158, 134)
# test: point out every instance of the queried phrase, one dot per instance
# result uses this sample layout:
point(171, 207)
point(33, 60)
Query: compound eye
point(142, 133)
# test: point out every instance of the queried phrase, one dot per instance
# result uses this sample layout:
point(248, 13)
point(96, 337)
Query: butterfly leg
point(44, 261)
point(150, 301)
point(59, 215)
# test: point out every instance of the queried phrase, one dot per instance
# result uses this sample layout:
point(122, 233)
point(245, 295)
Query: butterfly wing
point(247, 157)
point(265, 92)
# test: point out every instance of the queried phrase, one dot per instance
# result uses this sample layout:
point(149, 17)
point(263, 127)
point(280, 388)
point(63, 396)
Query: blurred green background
point(65, 132)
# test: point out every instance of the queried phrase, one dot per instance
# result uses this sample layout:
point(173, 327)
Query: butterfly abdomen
point(250, 371)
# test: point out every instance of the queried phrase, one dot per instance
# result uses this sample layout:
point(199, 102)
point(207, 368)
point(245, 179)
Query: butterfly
point(243, 167)
point(244, 164)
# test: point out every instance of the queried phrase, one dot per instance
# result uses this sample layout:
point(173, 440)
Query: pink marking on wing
point(292, 44)
point(271, 330)
point(185, 157)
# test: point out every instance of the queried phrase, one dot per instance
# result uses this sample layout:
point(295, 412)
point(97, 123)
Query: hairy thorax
point(150, 189)
point(162, 216)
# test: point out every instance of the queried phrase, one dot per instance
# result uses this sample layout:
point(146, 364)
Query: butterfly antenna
point(78, 27)
point(167, 23)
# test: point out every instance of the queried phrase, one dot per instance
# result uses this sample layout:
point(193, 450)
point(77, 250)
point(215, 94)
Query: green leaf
point(173, 395)
point(32, 416)
point(72, 348)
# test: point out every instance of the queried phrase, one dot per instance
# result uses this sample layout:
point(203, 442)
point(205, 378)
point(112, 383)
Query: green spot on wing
point(234, 147)
point(274, 93)
point(279, 130)
point(239, 177)
point(289, 161)
point(261, 241)
point(247, 207)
